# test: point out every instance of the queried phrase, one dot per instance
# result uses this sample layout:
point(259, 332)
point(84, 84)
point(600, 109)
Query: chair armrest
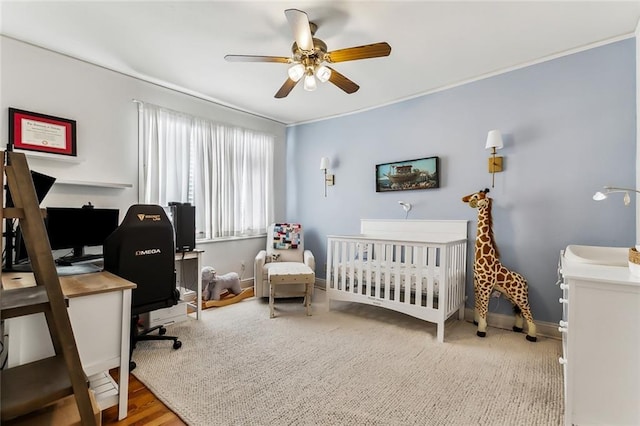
point(259, 262)
point(309, 260)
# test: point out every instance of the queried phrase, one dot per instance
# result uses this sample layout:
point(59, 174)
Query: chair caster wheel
point(132, 365)
point(177, 344)
point(162, 331)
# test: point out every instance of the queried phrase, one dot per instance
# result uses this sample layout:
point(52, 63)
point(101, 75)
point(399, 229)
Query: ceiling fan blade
point(256, 58)
point(343, 82)
point(286, 88)
point(367, 51)
point(299, 22)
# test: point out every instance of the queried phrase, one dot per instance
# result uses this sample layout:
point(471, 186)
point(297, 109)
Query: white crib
point(417, 267)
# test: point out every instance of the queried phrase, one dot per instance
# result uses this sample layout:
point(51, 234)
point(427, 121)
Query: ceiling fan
point(309, 56)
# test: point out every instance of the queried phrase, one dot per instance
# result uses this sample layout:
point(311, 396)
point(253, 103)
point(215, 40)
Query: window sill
point(226, 239)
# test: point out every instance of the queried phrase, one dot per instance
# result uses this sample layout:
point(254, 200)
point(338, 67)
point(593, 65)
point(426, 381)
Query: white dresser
point(601, 344)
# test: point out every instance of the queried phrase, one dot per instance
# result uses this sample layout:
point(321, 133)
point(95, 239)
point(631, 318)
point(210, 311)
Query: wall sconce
point(329, 180)
point(406, 207)
point(494, 142)
point(599, 196)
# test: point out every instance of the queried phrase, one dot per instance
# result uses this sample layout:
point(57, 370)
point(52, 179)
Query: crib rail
point(422, 279)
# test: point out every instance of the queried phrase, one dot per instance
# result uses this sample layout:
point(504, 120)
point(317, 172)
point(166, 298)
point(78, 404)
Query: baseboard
point(246, 283)
point(543, 328)
point(320, 283)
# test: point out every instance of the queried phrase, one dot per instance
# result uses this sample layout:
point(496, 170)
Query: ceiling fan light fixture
point(308, 54)
point(323, 73)
point(296, 72)
point(310, 83)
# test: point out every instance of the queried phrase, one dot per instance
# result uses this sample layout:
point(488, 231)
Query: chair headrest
point(145, 214)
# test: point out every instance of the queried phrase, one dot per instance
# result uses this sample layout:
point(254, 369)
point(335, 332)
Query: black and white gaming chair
point(142, 250)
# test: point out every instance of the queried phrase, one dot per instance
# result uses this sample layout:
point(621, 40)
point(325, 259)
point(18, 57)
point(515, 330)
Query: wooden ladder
point(32, 386)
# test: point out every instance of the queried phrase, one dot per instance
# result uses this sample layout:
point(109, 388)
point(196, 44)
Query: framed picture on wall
point(33, 131)
point(422, 173)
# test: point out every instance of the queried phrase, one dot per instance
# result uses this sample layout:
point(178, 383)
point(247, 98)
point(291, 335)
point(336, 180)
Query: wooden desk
point(100, 314)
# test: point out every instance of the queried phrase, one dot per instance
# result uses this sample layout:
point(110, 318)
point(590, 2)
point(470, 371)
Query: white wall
point(100, 101)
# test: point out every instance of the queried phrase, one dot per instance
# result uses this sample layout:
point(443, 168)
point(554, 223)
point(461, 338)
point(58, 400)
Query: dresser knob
point(562, 329)
point(564, 286)
point(562, 300)
point(562, 360)
point(563, 323)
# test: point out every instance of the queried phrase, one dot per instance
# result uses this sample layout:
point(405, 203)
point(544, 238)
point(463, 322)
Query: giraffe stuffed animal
point(490, 274)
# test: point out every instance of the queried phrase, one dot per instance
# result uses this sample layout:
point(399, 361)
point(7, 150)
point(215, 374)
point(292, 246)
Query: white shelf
point(94, 184)
point(45, 156)
point(105, 388)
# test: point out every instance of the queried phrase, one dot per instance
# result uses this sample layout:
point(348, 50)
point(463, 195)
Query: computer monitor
point(42, 184)
point(15, 249)
point(78, 228)
point(75, 229)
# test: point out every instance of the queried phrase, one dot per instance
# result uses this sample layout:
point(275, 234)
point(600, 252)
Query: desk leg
point(199, 295)
point(123, 385)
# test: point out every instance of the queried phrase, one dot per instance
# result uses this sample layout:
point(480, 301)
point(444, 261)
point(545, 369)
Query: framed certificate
point(32, 131)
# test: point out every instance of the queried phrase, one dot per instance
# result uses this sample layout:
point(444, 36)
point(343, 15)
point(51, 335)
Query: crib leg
point(440, 332)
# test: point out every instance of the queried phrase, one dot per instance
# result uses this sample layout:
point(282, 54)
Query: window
point(226, 172)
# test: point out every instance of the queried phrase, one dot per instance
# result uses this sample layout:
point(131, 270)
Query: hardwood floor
point(144, 408)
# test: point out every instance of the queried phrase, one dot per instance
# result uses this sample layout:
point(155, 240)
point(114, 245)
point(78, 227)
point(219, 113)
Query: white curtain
point(226, 172)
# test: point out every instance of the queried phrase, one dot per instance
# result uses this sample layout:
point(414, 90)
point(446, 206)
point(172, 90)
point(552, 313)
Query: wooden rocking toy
point(222, 290)
point(489, 274)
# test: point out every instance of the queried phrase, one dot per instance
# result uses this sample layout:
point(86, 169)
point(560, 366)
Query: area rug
point(352, 365)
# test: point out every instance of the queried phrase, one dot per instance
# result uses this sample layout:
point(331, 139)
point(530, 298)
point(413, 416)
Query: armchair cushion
point(285, 241)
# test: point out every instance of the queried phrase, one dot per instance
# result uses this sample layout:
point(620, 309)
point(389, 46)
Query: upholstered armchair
point(285, 244)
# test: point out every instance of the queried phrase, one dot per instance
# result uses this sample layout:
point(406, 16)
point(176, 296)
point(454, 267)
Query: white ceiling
point(434, 44)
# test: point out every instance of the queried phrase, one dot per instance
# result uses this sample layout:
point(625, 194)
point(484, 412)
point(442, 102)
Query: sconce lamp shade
point(329, 180)
point(494, 140)
point(324, 163)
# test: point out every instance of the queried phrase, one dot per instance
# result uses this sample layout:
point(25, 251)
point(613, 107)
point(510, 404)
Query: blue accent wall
point(568, 126)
